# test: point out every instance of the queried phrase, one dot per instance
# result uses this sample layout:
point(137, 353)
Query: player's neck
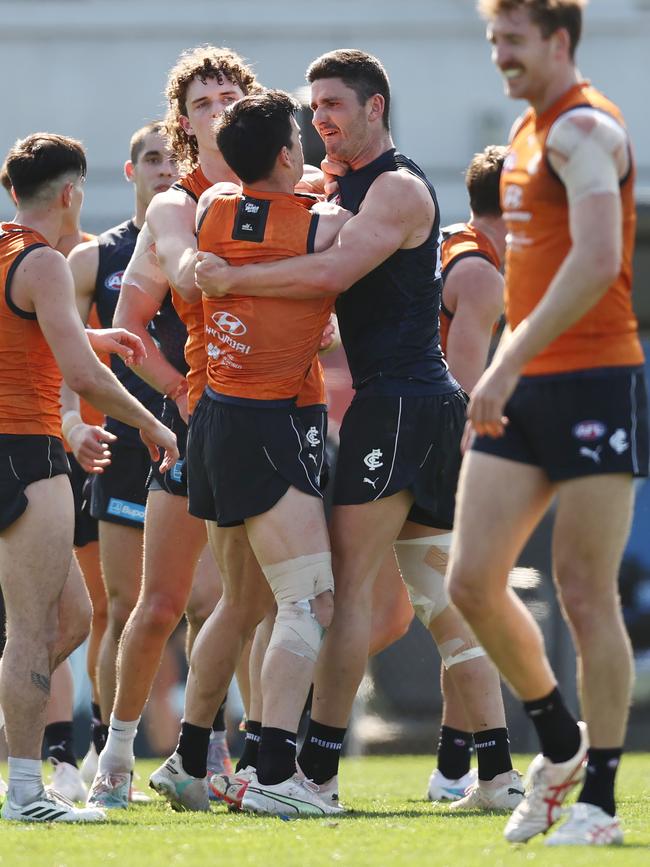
point(47, 222)
point(370, 151)
point(215, 168)
point(275, 183)
point(494, 230)
point(555, 89)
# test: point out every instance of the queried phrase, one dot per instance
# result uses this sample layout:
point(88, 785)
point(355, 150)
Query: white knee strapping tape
point(294, 583)
point(449, 651)
point(423, 563)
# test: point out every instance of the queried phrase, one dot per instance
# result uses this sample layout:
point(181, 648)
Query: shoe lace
point(57, 798)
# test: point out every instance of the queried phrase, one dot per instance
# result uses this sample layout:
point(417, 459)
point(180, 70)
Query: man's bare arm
point(84, 264)
point(476, 289)
point(170, 218)
point(398, 213)
point(44, 280)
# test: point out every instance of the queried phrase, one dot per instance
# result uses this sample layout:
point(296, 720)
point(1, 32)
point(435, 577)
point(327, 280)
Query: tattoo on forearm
point(42, 681)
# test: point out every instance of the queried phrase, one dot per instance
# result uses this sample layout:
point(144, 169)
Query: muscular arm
point(143, 290)
point(84, 264)
point(43, 283)
point(170, 218)
point(474, 292)
point(397, 213)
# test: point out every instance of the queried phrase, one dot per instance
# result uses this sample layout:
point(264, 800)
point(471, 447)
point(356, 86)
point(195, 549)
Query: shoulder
point(223, 188)
point(85, 254)
point(42, 265)
point(170, 211)
point(401, 189)
point(586, 121)
point(476, 282)
point(589, 135)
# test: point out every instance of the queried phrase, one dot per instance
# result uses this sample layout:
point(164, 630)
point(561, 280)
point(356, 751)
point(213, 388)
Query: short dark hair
point(138, 138)
point(252, 131)
point(548, 15)
point(361, 72)
point(482, 181)
point(41, 158)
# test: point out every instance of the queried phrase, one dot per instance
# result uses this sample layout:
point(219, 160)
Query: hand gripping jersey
point(260, 348)
point(30, 380)
point(536, 212)
point(461, 241)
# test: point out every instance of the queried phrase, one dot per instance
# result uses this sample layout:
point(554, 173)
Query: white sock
point(117, 756)
point(25, 780)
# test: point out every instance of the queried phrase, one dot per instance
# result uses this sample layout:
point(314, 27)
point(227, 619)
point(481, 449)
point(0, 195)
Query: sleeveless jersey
point(191, 314)
point(170, 334)
point(461, 241)
point(115, 249)
point(313, 392)
point(30, 380)
point(389, 318)
point(536, 212)
point(260, 348)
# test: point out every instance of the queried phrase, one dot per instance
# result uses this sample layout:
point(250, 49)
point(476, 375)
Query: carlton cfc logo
point(228, 323)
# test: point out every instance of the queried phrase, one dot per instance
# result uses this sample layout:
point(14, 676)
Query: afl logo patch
point(228, 323)
point(114, 281)
point(588, 431)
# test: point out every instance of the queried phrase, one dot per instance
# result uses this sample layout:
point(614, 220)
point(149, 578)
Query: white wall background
point(95, 69)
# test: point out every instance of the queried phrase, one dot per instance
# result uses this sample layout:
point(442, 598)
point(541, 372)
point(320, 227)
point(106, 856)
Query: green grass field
point(391, 824)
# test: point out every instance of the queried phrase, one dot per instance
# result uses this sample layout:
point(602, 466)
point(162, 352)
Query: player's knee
point(423, 564)
point(161, 612)
point(323, 608)
point(297, 584)
point(466, 593)
point(119, 611)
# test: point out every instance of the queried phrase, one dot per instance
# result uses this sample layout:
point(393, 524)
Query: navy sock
point(601, 775)
point(251, 745)
point(193, 749)
point(454, 752)
point(98, 731)
point(492, 752)
point(321, 751)
point(219, 722)
point(276, 759)
point(58, 740)
point(557, 729)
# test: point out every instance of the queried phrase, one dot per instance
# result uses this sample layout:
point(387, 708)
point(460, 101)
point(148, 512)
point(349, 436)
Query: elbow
point(330, 282)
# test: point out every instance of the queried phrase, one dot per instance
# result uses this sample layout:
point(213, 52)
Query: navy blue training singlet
point(389, 319)
point(116, 246)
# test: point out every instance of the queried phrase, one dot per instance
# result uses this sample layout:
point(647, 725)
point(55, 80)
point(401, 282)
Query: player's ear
point(376, 107)
point(66, 194)
point(186, 126)
point(129, 168)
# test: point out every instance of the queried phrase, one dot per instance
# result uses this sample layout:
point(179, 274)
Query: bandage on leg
point(423, 563)
point(294, 584)
point(458, 650)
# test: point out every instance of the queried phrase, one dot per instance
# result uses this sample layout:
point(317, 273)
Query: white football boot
point(50, 807)
point(443, 789)
point(183, 791)
point(504, 792)
point(587, 825)
point(110, 791)
point(548, 784)
point(230, 788)
point(293, 797)
point(66, 780)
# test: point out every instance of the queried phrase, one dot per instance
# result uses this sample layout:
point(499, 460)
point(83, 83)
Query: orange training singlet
point(30, 380)
point(536, 212)
point(260, 348)
point(191, 314)
point(460, 241)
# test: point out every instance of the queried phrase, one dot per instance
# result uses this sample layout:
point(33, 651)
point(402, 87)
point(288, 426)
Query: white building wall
point(96, 69)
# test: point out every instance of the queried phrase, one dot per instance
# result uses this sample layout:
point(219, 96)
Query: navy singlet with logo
point(116, 246)
point(389, 320)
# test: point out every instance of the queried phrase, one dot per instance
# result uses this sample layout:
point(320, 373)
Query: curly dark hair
point(203, 62)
